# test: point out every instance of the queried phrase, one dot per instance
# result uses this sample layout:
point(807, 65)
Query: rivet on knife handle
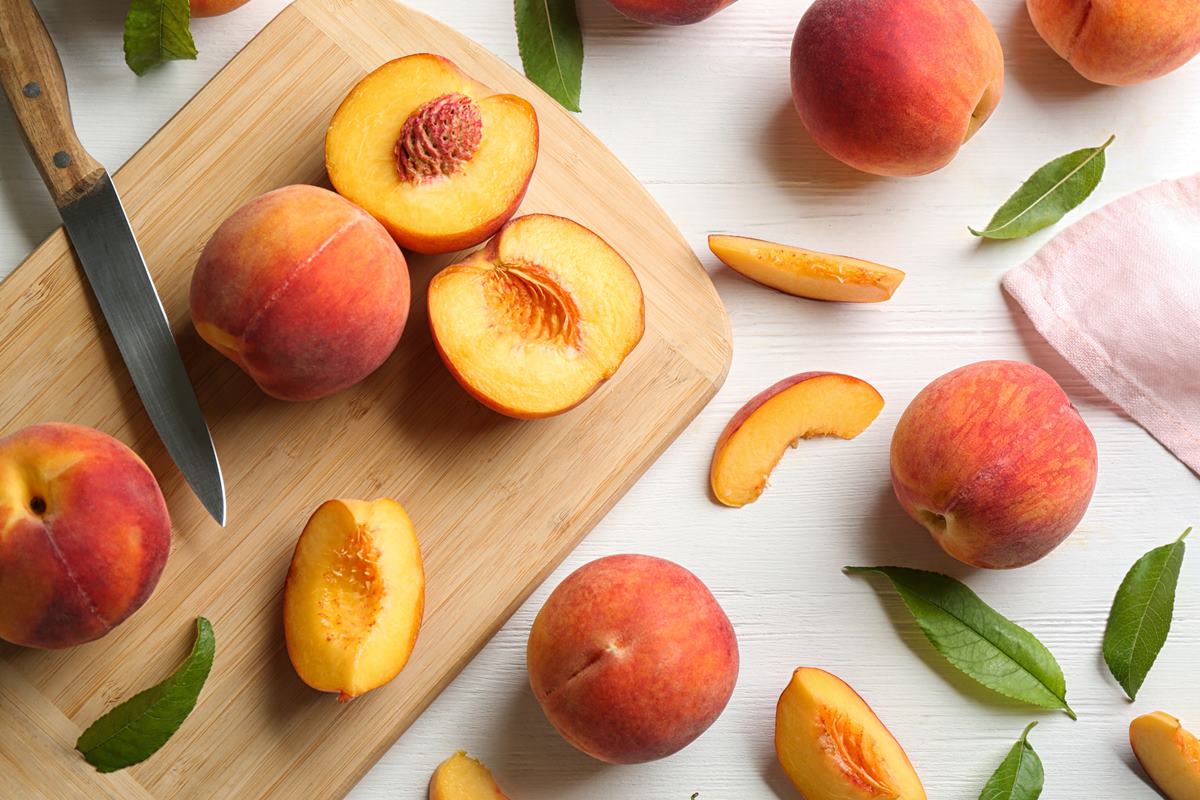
point(32, 77)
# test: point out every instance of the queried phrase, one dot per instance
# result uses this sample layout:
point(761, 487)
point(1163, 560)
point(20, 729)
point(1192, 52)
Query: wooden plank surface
point(496, 503)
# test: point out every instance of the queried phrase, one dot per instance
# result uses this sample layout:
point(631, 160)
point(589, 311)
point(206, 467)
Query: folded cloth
point(1118, 294)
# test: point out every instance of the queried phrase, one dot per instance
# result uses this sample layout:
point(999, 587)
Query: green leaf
point(157, 31)
point(136, 729)
point(1019, 776)
point(977, 639)
point(1049, 193)
point(1141, 615)
point(551, 46)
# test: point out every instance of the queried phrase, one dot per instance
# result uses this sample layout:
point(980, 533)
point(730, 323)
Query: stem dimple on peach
point(438, 138)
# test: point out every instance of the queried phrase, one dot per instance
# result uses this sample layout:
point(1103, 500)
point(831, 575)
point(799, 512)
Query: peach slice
point(535, 321)
point(833, 747)
point(1169, 754)
point(354, 596)
point(800, 407)
point(806, 273)
point(440, 159)
point(461, 777)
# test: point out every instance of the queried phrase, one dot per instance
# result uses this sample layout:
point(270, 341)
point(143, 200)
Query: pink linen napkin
point(1118, 294)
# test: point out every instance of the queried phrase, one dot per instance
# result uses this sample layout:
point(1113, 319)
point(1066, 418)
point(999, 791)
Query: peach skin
point(84, 535)
point(631, 658)
point(994, 460)
point(895, 87)
point(806, 273)
point(461, 777)
point(212, 8)
point(538, 319)
point(303, 290)
point(669, 12)
point(1120, 42)
point(354, 596)
point(800, 407)
point(1168, 753)
point(833, 747)
point(440, 159)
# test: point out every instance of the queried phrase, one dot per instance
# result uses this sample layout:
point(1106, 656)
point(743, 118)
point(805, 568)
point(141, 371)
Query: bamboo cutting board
point(497, 503)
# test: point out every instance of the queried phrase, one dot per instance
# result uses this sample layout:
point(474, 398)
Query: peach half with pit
point(800, 407)
point(1169, 753)
point(833, 747)
point(534, 322)
point(806, 273)
point(437, 157)
point(84, 535)
point(354, 596)
point(303, 290)
point(461, 777)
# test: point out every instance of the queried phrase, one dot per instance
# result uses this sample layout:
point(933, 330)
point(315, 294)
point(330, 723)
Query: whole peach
point(994, 460)
point(84, 535)
point(1120, 42)
point(303, 290)
point(669, 12)
point(632, 658)
point(895, 87)
point(212, 8)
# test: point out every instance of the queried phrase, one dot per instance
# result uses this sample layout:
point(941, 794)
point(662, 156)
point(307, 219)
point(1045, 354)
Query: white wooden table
point(702, 115)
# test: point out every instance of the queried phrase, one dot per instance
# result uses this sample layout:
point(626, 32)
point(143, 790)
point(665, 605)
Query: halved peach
point(833, 747)
point(440, 159)
point(535, 321)
point(1169, 754)
point(354, 596)
point(806, 273)
point(461, 777)
point(800, 407)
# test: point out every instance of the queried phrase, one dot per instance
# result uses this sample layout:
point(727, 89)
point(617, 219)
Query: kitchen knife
point(33, 81)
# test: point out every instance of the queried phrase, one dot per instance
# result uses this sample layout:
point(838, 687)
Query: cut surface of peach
point(833, 747)
point(800, 407)
point(1169, 753)
point(440, 159)
point(806, 273)
point(354, 596)
point(535, 321)
point(461, 777)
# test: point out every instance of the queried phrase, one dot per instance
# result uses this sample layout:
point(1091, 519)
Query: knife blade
point(106, 247)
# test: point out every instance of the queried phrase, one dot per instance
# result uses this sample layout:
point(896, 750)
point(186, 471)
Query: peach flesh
point(354, 596)
point(631, 658)
point(536, 321)
point(895, 87)
point(806, 273)
point(1168, 753)
point(461, 777)
point(800, 407)
point(994, 460)
point(84, 535)
point(833, 747)
point(441, 160)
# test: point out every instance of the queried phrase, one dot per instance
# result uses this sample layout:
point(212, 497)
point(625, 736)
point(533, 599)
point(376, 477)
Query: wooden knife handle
point(32, 77)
